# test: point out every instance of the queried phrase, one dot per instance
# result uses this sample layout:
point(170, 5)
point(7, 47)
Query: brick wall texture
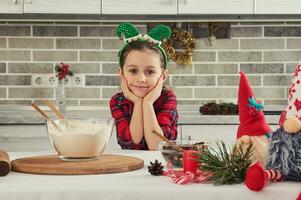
point(267, 52)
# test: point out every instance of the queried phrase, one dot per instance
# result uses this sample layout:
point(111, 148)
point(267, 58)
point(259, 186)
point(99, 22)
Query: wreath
point(181, 57)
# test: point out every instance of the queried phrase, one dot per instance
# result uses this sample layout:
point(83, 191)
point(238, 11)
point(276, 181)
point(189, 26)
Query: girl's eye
point(149, 72)
point(133, 71)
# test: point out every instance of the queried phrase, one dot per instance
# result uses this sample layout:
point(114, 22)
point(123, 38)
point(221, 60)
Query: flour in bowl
point(77, 139)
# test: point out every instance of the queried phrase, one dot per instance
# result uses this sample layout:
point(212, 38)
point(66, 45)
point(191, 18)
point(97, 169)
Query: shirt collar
point(122, 100)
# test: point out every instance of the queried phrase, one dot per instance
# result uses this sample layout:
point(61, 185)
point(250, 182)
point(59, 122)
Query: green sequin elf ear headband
point(129, 33)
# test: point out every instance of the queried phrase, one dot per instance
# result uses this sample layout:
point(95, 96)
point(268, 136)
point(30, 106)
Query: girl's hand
point(127, 93)
point(154, 94)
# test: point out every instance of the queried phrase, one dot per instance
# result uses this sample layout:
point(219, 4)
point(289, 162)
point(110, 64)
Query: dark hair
point(141, 45)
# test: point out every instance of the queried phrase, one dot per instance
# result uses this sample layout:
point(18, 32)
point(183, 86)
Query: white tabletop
point(138, 184)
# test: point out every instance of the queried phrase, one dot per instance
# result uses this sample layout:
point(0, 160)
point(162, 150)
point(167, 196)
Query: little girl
point(144, 104)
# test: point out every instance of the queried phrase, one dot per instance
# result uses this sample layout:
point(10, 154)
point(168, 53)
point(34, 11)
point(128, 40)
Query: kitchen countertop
point(188, 115)
point(138, 184)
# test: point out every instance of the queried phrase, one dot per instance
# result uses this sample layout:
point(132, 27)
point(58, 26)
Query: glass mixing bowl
point(76, 139)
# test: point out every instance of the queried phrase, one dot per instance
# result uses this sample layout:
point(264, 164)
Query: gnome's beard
point(285, 154)
point(259, 149)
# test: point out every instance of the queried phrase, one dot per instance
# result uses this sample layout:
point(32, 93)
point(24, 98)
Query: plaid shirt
point(166, 111)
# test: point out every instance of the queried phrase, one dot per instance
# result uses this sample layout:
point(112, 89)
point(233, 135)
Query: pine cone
point(155, 168)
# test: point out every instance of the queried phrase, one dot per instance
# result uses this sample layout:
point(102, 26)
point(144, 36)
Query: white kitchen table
point(138, 184)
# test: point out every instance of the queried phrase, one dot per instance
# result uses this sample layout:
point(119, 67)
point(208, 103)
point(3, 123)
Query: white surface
point(281, 7)
point(132, 185)
point(216, 7)
point(64, 7)
point(11, 6)
point(153, 7)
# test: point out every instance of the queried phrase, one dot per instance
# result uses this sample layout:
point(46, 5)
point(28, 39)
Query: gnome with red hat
point(284, 161)
point(253, 127)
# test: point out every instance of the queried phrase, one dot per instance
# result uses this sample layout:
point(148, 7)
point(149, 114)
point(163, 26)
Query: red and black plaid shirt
point(166, 111)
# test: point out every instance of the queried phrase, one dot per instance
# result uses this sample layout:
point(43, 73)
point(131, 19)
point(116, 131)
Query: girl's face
point(142, 70)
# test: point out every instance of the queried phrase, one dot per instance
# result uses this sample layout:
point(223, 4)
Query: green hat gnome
point(129, 33)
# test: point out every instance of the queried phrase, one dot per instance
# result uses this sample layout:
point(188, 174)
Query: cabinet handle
point(29, 1)
point(15, 1)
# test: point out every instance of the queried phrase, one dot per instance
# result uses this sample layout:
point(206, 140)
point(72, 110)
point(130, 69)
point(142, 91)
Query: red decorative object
point(250, 124)
point(298, 69)
point(190, 161)
point(180, 177)
point(299, 196)
point(257, 177)
point(63, 71)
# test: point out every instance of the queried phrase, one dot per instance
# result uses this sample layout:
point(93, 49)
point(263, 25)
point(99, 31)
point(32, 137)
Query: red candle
point(190, 161)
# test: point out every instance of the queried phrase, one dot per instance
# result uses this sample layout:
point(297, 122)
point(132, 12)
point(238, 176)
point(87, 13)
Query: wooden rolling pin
point(5, 166)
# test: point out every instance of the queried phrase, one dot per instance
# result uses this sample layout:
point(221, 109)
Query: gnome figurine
point(284, 161)
point(253, 127)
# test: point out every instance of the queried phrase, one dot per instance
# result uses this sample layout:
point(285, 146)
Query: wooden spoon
point(167, 141)
point(35, 106)
point(54, 109)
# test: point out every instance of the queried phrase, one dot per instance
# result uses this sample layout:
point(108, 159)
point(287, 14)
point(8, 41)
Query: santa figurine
point(284, 158)
point(253, 127)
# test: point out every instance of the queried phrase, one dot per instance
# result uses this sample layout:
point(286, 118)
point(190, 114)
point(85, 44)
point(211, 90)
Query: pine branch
point(226, 167)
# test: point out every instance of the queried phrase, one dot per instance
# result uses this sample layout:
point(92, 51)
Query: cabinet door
point(278, 7)
point(216, 6)
point(11, 6)
point(62, 6)
point(139, 7)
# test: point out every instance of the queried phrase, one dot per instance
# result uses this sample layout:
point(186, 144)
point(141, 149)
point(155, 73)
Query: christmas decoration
point(294, 107)
point(129, 33)
point(155, 168)
point(285, 149)
point(213, 108)
point(257, 177)
point(181, 178)
point(285, 144)
point(225, 167)
point(174, 155)
point(253, 127)
point(187, 42)
point(189, 161)
point(63, 71)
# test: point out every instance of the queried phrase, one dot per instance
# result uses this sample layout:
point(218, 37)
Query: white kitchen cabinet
point(216, 6)
point(63, 6)
point(278, 7)
point(146, 7)
point(11, 6)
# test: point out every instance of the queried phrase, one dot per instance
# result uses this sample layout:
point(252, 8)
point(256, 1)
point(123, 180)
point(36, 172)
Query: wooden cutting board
point(52, 164)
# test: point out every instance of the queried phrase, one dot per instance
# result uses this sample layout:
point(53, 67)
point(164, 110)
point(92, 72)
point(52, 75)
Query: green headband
point(129, 33)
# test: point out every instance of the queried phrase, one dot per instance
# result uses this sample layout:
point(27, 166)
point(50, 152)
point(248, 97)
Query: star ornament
point(254, 104)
